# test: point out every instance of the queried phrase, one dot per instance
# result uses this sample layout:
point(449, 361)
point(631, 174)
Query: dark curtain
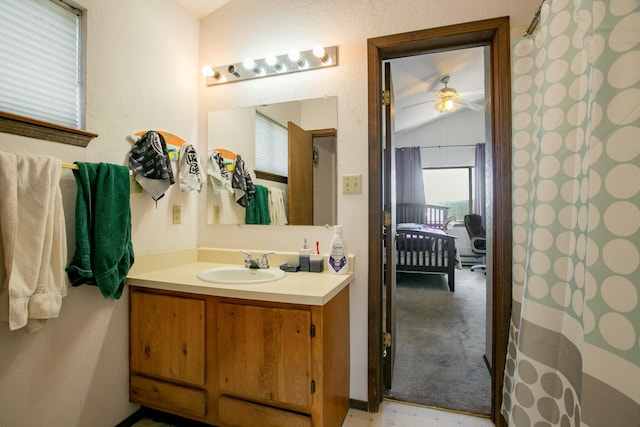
point(409, 183)
point(479, 176)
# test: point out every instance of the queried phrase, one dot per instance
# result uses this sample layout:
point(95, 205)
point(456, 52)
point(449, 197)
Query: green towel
point(258, 207)
point(104, 252)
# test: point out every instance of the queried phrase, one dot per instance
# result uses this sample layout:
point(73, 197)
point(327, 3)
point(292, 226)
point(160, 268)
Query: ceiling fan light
point(449, 105)
point(446, 105)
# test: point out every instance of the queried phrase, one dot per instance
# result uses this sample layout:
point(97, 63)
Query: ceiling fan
point(448, 99)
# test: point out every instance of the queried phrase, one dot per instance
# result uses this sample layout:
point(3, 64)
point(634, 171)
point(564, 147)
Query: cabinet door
point(265, 353)
point(167, 337)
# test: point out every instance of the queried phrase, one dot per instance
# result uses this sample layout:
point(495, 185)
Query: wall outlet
point(352, 184)
point(135, 186)
point(177, 214)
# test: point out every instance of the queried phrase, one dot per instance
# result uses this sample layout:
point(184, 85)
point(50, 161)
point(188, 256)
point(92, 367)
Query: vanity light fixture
point(294, 56)
point(233, 70)
point(321, 54)
point(250, 65)
point(215, 75)
point(273, 61)
point(272, 65)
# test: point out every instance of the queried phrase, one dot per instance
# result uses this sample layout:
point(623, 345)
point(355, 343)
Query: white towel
point(190, 171)
point(33, 240)
point(218, 176)
point(276, 207)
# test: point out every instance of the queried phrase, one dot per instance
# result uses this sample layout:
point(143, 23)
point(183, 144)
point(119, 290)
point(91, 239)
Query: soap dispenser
point(304, 255)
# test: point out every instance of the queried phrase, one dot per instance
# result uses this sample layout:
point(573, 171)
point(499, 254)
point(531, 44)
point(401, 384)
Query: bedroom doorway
point(495, 34)
point(440, 336)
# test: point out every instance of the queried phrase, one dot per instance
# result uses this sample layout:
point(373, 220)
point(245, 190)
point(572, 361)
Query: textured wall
point(142, 72)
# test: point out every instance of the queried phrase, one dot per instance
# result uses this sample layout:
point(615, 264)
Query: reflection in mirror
point(307, 175)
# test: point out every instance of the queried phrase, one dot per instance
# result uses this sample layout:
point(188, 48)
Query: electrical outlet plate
point(135, 185)
point(352, 184)
point(177, 214)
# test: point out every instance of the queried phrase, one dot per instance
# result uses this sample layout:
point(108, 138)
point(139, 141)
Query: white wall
point(253, 27)
point(453, 138)
point(142, 73)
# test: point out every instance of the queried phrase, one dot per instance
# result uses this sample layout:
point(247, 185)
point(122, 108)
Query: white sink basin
point(240, 275)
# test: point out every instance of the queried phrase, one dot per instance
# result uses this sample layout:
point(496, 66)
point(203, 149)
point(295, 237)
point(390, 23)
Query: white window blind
point(40, 75)
point(272, 146)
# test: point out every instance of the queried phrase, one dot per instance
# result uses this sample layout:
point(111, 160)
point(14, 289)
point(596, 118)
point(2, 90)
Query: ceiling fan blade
point(420, 103)
point(471, 105)
point(470, 93)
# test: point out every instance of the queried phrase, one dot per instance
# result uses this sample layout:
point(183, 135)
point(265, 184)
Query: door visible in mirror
point(307, 175)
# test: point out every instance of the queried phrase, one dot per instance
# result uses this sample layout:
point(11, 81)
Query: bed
point(432, 216)
point(422, 249)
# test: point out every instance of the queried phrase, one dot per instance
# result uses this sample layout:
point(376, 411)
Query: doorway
point(440, 336)
point(493, 33)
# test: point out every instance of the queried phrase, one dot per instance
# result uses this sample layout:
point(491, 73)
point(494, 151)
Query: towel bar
point(75, 167)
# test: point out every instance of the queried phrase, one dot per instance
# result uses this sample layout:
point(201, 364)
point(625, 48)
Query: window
point(272, 150)
point(42, 73)
point(450, 187)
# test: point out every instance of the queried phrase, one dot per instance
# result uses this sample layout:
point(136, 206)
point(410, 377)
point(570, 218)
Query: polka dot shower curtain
point(573, 357)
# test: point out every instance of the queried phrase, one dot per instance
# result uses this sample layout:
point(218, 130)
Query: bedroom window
point(42, 77)
point(457, 194)
point(272, 149)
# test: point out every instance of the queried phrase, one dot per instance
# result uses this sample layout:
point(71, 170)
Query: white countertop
point(295, 288)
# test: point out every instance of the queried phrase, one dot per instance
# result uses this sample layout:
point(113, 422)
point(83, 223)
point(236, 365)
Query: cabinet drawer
point(167, 396)
point(235, 412)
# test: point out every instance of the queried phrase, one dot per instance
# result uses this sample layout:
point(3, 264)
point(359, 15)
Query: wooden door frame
point(495, 34)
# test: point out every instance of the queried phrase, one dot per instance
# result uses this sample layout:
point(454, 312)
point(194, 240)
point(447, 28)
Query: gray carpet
point(440, 342)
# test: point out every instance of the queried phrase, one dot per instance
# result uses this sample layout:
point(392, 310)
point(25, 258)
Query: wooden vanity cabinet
point(244, 362)
point(167, 352)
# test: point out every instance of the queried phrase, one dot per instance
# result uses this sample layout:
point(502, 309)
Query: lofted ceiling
point(416, 80)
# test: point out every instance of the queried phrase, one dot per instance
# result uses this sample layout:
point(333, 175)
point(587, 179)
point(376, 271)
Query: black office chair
point(478, 236)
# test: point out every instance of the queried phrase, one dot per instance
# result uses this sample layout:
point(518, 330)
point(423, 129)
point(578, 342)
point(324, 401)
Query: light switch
point(352, 184)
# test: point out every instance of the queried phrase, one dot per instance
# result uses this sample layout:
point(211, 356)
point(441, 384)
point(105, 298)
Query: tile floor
point(391, 414)
point(399, 414)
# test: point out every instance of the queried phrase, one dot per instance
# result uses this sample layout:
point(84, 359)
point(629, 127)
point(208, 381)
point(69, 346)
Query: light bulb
point(321, 54)
point(294, 56)
point(318, 51)
point(448, 105)
point(272, 61)
point(248, 64)
point(207, 71)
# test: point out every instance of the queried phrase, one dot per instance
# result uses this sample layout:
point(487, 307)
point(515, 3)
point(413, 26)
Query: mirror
point(309, 191)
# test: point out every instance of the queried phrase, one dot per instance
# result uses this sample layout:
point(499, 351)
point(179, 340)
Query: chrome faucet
point(250, 262)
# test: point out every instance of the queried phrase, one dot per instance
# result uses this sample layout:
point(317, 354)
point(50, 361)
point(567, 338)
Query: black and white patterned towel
point(243, 183)
point(149, 160)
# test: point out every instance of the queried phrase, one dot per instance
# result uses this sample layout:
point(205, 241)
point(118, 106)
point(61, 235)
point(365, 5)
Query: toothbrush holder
point(316, 263)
